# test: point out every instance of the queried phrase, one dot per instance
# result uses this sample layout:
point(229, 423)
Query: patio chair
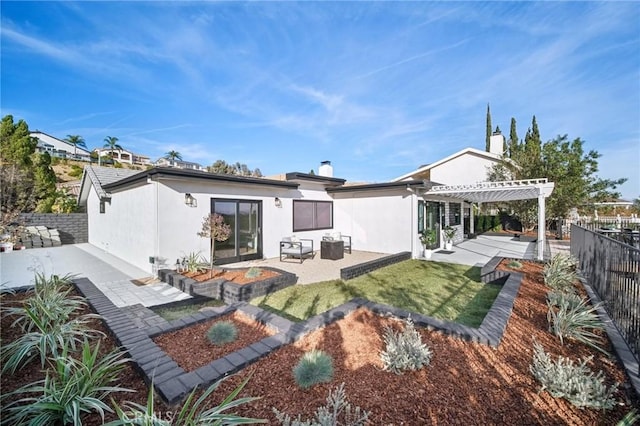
point(346, 239)
point(296, 249)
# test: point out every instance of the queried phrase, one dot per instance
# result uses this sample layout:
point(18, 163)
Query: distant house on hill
point(123, 156)
point(179, 164)
point(59, 148)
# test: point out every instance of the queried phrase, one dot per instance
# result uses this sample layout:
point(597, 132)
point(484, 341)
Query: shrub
point(557, 298)
point(45, 320)
point(222, 332)
point(404, 350)
point(253, 272)
point(514, 264)
point(575, 321)
point(573, 382)
point(337, 411)
point(76, 171)
point(560, 273)
point(314, 367)
point(75, 387)
point(194, 262)
point(191, 413)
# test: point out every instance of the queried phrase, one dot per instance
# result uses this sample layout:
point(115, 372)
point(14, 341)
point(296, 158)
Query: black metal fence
point(612, 269)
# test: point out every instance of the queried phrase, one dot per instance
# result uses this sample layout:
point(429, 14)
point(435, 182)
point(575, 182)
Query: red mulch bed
point(234, 275)
point(466, 383)
point(191, 349)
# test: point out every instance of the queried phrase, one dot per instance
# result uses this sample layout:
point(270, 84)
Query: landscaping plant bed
point(238, 276)
point(230, 285)
point(465, 383)
point(191, 349)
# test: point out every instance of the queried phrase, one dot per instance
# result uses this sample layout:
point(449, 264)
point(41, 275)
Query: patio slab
point(111, 275)
point(315, 269)
point(479, 251)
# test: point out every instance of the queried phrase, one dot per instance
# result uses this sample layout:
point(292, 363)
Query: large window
point(455, 210)
point(312, 215)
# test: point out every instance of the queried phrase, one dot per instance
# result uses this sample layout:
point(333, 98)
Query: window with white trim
point(312, 215)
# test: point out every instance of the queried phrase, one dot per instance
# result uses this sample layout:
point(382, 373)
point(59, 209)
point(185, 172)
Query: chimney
point(496, 143)
point(325, 169)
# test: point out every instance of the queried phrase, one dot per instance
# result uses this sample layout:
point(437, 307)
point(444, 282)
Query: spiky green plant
point(574, 382)
point(337, 411)
point(194, 262)
point(404, 350)
point(74, 387)
point(314, 367)
point(253, 272)
point(222, 332)
point(630, 419)
point(577, 322)
point(514, 264)
point(561, 273)
point(191, 413)
point(557, 298)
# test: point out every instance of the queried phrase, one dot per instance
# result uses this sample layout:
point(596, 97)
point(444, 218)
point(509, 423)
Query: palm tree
point(111, 142)
point(76, 140)
point(173, 155)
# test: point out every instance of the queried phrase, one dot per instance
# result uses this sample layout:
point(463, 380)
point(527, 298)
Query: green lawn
point(175, 313)
point(442, 290)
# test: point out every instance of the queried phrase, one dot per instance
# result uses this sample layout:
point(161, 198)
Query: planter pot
point(428, 253)
point(448, 245)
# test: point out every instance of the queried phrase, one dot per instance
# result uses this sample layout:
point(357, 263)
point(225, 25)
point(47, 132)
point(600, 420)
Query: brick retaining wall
point(364, 268)
point(73, 228)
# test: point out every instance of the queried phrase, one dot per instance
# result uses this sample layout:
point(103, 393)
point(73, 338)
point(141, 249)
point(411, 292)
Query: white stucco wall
point(378, 221)
point(464, 169)
point(126, 229)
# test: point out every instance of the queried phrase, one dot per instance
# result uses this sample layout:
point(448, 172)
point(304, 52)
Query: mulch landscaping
point(465, 383)
point(191, 349)
point(237, 276)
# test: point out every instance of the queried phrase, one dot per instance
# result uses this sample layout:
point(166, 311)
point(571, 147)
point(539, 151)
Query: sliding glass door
point(245, 219)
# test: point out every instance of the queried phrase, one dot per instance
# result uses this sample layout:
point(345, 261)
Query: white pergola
point(491, 192)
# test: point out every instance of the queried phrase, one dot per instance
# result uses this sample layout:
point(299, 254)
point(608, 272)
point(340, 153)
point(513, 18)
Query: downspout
point(156, 248)
point(541, 223)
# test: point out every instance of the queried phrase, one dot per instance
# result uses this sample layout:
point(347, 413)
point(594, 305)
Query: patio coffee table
point(333, 250)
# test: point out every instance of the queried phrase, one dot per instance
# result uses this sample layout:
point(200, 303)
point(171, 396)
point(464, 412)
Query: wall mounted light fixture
point(278, 202)
point(190, 200)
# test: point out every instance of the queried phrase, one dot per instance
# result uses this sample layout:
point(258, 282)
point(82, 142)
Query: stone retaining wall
point(351, 272)
point(227, 291)
point(73, 228)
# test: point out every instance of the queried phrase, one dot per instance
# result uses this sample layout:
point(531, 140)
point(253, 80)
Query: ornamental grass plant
point(222, 332)
point(314, 367)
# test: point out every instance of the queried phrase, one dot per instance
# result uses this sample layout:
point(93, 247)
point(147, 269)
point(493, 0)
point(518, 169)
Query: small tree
point(213, 227)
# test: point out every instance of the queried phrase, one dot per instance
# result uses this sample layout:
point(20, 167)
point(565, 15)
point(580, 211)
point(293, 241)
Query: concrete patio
point(111, 275)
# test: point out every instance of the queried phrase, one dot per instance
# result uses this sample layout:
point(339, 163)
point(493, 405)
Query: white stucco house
point(155, 215)
point(59, 148)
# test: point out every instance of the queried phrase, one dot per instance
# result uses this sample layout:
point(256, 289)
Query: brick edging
point(354, 271)
point(173, 383)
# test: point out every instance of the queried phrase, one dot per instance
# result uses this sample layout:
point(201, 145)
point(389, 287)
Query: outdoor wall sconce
point(190, 200)
point(278, 202)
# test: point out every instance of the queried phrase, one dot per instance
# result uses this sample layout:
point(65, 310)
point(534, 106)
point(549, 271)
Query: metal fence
point(612, 268)
point(562, 227)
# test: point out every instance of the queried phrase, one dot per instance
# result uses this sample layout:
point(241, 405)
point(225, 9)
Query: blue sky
point(378, 88)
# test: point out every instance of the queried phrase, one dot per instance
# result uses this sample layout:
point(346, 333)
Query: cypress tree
point(488, 138)
point(513, 139)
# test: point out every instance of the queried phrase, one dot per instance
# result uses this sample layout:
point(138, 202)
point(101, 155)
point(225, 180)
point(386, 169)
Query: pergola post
point(541, 224)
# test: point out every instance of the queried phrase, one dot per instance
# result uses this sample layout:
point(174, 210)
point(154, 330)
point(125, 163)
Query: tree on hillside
point(173, 155)
point(489, 128)
point(561, 161)
point(513, 139)
point(223, 168)
point(111, 142)
point(44, 183)
point(16, 172)
point(76, 140)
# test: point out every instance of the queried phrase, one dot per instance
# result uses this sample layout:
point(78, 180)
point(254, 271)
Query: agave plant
point(191, 413)
point(194, 262)
point(576, 321)
point(47, 340)
point(74, 387)
point(560, 273)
